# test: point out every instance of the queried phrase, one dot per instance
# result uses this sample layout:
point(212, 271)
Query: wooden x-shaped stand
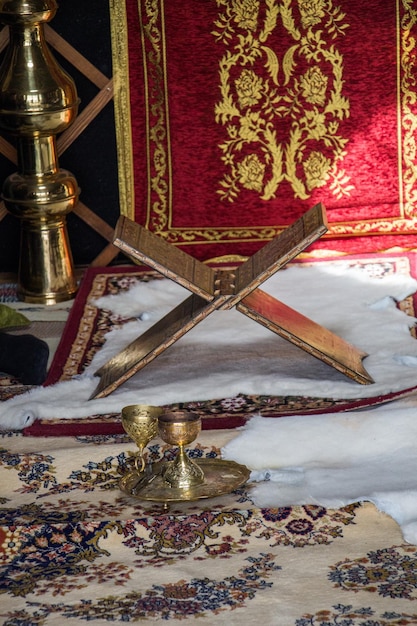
point(214, 289)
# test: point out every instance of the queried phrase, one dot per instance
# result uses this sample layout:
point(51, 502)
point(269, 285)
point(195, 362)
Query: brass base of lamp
point(41, 203)
point(46, 276)
point(38, 100)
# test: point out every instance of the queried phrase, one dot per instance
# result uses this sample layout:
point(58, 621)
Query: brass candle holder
point(37, 101)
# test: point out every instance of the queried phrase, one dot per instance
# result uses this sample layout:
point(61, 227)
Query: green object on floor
point(11, 319)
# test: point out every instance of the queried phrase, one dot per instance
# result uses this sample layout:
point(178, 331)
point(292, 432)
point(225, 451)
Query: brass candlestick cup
point(181, 428)
point(140, 421)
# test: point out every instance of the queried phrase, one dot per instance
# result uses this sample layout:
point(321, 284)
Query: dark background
point(92, 158)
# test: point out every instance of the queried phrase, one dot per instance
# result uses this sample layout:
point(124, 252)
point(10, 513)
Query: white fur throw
point(334, 460)
point(228, 353)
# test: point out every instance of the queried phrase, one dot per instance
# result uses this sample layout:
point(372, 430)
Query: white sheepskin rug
point(334, 460)
point(228, 354)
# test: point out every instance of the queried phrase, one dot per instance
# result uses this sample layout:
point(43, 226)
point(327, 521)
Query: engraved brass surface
point(37, 101)
point(140, 421)
point(182, 479)
point(180, 428)
point(222, 289)
point(220, 477)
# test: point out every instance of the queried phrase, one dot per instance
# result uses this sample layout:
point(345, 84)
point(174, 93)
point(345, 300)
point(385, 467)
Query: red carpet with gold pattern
point(241, 115)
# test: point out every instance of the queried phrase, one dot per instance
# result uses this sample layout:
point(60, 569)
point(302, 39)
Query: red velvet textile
point(245, 113)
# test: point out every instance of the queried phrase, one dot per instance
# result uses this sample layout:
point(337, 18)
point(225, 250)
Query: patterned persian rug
point(234, 117)
point(88, 326)
point(75, 549)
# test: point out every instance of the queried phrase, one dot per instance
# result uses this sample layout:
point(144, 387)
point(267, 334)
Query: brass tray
point(220, 477)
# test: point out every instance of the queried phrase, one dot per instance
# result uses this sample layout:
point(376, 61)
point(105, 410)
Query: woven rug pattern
point(75, 549)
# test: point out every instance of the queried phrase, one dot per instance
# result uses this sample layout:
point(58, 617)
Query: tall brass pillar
point(37, 101)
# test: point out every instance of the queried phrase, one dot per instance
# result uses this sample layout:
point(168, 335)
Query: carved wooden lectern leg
point(214, 289)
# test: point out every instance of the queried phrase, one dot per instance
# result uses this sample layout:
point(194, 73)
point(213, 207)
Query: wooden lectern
point(213, 289)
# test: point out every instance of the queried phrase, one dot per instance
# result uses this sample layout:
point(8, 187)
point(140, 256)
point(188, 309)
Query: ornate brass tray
point(220, 477)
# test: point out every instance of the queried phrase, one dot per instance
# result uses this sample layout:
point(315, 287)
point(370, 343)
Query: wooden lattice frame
point(93, 108)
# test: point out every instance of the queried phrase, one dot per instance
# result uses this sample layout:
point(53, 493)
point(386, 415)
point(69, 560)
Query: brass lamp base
point(37, 101)
point(47, 276)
